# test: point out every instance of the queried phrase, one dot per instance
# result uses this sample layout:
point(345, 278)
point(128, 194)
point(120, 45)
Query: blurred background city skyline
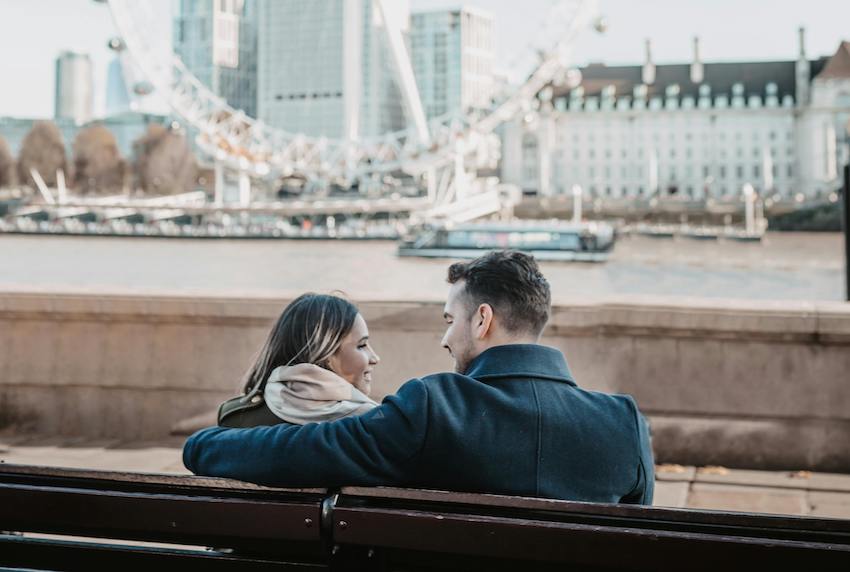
point(670, 24)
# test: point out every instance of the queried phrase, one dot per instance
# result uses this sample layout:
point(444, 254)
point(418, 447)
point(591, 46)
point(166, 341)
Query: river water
point(792, 266)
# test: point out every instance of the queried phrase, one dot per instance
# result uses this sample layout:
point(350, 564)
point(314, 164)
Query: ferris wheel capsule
point(116, 44)
point(601, 24)
point(143, 88)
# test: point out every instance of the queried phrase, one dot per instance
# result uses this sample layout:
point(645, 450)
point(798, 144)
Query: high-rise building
point(452, 53)
point(118, 98)
point(694, 130)
point(324, 67)
point(74, 87)
point(217, 41)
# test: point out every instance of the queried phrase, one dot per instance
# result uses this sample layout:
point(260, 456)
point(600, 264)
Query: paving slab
point(776, 479)
point(829, 482)
point(671, 472)
point(109, 458)
point(153, 459)
point(748, 499)
point(671, 494)
point(829, 504)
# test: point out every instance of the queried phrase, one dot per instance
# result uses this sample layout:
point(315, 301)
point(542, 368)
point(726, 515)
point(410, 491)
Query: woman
point(316, 365)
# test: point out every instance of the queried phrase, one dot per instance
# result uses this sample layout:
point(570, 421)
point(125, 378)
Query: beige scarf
point(306, 393)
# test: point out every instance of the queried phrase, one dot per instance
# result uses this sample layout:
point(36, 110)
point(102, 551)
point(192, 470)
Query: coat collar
point(521, 360)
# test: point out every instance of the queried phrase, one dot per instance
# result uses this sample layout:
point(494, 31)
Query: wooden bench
point(108, 520)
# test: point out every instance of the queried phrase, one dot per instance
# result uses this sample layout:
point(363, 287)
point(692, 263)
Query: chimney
point(697, 69)
point(802, 76)
point(648, 75)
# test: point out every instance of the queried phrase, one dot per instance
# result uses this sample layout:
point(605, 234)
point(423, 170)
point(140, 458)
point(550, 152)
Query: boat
point(582, 242)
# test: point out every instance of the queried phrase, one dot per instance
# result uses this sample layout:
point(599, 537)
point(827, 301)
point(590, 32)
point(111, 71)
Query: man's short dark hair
point(512, 284)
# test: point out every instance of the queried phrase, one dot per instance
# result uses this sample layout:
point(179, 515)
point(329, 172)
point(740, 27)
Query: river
point(792, 266)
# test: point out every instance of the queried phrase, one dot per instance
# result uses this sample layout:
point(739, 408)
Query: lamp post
point(577, 197)
point(846, 217)
point(749, 209)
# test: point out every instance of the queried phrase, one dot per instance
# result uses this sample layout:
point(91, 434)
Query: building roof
point(838, 66)
point(719, 76)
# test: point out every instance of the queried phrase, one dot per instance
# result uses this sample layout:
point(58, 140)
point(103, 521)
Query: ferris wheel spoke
point(230, 135)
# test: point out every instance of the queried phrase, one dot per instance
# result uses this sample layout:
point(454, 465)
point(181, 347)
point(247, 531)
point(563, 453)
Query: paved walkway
point(714, 488)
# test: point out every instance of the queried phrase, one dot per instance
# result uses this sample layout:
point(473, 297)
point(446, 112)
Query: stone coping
point(810, 322)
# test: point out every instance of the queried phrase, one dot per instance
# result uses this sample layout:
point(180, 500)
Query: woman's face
point(355, 358)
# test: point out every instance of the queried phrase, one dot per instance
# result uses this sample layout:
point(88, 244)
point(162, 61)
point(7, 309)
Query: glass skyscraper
point(217, 40)
point(452, 54)
point(317, 58)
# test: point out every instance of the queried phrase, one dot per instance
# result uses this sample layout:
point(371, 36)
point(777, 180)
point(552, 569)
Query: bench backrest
point(253, 527)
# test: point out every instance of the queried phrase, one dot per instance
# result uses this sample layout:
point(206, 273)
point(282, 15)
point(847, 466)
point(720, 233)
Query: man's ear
point(482, 321)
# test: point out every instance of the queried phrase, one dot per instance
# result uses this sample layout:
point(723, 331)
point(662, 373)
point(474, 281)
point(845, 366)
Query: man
point(511, 420)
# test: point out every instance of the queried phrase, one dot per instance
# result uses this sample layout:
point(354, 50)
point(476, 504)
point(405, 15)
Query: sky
point(33, 32)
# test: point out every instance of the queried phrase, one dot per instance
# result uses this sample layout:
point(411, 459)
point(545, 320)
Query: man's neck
point(509, 341)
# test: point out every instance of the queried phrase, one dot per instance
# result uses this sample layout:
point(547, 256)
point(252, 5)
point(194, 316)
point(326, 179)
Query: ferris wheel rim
point(395, 143)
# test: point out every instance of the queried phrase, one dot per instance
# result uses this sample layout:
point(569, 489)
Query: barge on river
point(583, 242)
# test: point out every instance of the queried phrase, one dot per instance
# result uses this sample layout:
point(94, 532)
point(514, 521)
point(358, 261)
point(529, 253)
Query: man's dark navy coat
point(515, 424)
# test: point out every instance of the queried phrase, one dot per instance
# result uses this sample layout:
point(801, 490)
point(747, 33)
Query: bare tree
point(7, 165)
point(97, 162)
point(163, 161)
point(44, 150)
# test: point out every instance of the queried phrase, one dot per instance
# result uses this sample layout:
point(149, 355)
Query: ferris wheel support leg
point(352, 69)
point(545, 137)
point(431, 174)
point(404, 72)
point(218, 185)
point(461, 183)
point(244, 188)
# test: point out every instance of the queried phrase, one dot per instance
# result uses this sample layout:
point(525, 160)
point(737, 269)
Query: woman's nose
point(375, 358)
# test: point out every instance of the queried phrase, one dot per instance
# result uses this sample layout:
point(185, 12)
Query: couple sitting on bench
point(510, 420)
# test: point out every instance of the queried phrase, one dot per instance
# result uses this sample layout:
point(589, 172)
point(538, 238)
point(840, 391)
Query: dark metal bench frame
point(376, 529)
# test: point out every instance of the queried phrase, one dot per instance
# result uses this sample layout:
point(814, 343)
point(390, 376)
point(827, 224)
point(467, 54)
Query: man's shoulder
point(439, 386)
point(440, 381)
point(624, 404)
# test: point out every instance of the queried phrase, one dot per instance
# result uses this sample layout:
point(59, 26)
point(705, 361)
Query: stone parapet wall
point(757, 385)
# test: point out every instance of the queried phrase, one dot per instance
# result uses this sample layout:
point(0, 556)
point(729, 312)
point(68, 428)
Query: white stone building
point(694, 130)
point(452, 52)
